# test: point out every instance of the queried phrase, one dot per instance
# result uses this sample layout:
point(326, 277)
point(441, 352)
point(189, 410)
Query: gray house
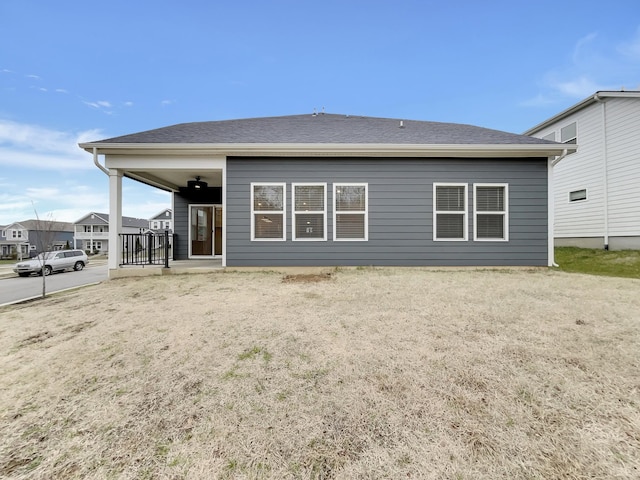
point(30, 237)
point(331, 190)
point(91, 232)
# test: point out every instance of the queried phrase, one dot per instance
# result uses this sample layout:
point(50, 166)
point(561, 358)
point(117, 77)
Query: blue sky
point(74, 71)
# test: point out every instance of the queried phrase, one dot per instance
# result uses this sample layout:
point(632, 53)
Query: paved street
point(14, 288)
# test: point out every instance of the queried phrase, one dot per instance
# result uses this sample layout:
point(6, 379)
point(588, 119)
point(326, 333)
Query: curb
point(23, 300)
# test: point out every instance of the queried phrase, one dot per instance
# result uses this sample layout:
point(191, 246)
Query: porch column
point(115, 218)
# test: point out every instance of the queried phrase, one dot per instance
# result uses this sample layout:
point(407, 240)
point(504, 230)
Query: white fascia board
point(130, 161)
point(157, 152)
point(579, 106)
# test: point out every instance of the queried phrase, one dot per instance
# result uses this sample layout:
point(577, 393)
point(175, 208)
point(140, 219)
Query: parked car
point(50, 262)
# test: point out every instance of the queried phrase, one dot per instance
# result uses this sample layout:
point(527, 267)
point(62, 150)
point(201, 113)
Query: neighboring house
point(92, 231)
point(325, 189)
point(30, 237)
point(161, 222)
point(597, 188)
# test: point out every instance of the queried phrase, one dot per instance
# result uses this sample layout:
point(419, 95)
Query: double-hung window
point(350, 211)
point(309, 211)
point(491, 204)
point(450, 211)
point(268, 211)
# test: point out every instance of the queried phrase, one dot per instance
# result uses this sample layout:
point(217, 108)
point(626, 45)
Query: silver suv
point(50, 262)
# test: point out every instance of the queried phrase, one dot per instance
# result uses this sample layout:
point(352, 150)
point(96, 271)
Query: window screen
point(450, 216)
point(309, 212)
point(490, 203)
point(350, 208)
point(267, 212)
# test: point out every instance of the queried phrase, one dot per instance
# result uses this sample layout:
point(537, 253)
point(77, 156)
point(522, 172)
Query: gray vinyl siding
point(180, 227)
point(181, 202)
point(400, 195)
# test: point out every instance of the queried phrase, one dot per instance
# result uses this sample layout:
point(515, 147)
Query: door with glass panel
point(205, 232)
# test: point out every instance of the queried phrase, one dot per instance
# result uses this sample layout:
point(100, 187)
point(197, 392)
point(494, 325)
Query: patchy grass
point(619, 263)
point(378, 373)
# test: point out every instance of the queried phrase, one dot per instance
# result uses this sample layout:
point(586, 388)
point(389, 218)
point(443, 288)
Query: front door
point(205, 233)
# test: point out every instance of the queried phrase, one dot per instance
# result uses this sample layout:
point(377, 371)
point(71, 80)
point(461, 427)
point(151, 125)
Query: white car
point(50, 262)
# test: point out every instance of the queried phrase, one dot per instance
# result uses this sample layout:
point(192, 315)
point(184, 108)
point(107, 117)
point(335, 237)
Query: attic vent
point(401, 123)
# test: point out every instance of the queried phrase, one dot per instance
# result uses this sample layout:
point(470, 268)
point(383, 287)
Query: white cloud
point(164, 103)
point(578, 87)
point(33, 146)
point(64, 204)
point(45, 170)
point(595, 65)
point(99, 104)
point(631, 48)
point(539, 100)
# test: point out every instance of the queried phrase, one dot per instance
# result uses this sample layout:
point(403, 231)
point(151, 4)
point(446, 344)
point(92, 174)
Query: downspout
point(552, 208)
point(95, 160)
point(605, 173)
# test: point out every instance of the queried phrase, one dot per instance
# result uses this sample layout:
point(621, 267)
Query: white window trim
point(586, 194)
point(504, 213)
point(269, 212)
point(569, 141)
point(295, 212)
point(465, 213)
point(365, 212)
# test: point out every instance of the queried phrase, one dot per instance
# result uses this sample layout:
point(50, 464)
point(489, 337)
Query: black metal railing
point(146, 248)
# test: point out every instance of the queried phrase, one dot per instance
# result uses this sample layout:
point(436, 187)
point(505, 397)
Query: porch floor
point(175, 267)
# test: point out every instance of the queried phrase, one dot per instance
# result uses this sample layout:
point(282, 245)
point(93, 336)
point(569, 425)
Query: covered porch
point(196, 183)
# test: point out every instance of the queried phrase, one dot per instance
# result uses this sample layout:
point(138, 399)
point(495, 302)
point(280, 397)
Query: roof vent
point(401, 123)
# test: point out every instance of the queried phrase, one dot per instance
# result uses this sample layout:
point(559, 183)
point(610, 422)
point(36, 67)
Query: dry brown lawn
point(366, 373)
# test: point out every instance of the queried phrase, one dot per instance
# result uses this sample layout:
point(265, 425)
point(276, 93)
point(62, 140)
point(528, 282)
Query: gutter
point(552, 207)
point(605, 173)
point(326, 149)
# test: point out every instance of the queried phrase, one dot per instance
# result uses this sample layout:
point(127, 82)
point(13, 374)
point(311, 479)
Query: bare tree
point(46, 233)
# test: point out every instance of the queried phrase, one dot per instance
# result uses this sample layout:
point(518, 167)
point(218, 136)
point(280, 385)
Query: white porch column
point(115, 217)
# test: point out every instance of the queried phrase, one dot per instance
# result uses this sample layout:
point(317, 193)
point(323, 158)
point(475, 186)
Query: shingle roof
point(50, 225)
point(324, 128)
point(126, 221)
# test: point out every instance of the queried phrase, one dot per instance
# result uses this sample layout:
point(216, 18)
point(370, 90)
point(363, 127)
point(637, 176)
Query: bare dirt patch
point(385, 373)
point(306, 278)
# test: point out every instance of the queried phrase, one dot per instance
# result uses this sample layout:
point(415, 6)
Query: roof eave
point(579, 106)
point(330, 149)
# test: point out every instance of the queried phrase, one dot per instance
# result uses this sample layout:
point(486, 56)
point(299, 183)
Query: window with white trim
point(309, 211)
point(491, 204)
point(578, 195)
point(569, 135)
point(450, 211)
point(350, 211)
point(268, 211)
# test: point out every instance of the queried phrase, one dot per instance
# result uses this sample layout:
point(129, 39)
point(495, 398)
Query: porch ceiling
point(172, 179)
